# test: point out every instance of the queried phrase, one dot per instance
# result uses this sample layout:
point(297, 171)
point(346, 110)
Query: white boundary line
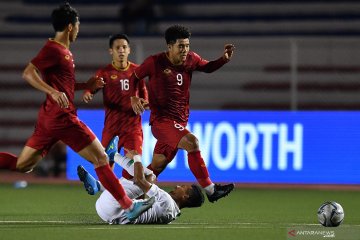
point(178, 225)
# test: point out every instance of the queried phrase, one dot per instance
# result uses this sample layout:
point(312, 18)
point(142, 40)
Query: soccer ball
point(330, 214)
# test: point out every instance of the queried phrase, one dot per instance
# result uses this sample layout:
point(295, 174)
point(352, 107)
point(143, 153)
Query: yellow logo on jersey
point(113, 77)
point(167, 71)
point(67, 57)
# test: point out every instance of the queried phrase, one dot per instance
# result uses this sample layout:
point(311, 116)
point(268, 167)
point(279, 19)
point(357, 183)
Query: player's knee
point(193, 143)
point(101, 160)
point(24, 167)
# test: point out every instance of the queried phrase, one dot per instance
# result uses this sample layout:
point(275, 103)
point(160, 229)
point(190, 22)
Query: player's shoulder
point(157, 56)
point(133, 65)
point(194, 55)
point(104, 69)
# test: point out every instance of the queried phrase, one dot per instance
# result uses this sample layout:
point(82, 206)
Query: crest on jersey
point(113, 77)
point(167, 71)
point(67, 57)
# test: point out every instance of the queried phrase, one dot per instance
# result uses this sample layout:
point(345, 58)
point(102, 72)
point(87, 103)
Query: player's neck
point(172, 60)
point(178, 201)
point(62, 38)
point(121, 65)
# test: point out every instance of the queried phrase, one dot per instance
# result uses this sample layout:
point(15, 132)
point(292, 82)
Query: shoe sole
point(149, 205)
point(108, 148)
point(82, 176)
point(226, 193)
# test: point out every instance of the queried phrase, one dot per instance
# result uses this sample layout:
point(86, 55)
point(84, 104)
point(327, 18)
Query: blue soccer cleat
point(139, 207)
point(112, 148)
point(92, 186)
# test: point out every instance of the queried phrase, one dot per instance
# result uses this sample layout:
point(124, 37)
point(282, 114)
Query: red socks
point(8, 161)
point(112, 184)
point(199, 169)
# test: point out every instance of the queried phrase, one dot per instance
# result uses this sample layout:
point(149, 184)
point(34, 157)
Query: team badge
point(167, 71)
point(113, 77)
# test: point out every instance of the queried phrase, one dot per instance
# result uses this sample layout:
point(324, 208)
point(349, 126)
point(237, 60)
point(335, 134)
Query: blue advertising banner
point(312, 147)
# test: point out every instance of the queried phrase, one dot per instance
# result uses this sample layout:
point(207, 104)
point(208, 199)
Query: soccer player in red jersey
point(52, 72)
point(169, 76)
point(120, 119)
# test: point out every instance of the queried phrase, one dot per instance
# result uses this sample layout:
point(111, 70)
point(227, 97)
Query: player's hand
point(145, 104)
point(60, 98)
point(137, 104)
point(228, 51)
point(95, 83)
point(130, 153)
point(87, 96)
point(151, 178)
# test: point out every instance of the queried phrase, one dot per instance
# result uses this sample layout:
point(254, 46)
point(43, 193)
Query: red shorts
point(168, 134)
point(132, 140)
point(70, 130)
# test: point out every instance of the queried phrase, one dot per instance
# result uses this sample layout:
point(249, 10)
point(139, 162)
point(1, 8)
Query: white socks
point(128, 164)
point(210, 189)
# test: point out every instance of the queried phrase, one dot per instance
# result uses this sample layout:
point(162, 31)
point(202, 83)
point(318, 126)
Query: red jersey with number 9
point(169, 85)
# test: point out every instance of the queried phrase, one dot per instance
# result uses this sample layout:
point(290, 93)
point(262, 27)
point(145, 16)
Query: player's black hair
point(62, 16)
point(196, 197)
point(176, 32)
point(112, 38)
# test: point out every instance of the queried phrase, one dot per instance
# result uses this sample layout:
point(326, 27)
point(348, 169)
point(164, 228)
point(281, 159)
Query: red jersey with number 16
point(169, 85)
point(56, 65)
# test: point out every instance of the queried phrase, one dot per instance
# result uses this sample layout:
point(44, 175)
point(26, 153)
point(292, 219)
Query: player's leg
point(198, 167)
point(28, 159)
point(158, 162)
point(36, 147)
point(25, 162)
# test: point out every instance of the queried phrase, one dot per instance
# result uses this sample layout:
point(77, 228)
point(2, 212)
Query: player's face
point(181, 190)
point(120, 50)
point(74, 31)
point(179, 51)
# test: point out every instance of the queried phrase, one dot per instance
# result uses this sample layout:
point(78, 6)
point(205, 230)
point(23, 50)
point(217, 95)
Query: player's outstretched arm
point(32, 76)
point(92, 85)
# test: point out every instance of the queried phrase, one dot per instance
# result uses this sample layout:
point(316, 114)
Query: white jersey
point(163, 211)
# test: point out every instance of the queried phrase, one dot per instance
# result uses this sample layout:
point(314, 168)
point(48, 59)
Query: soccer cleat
point(91, 185)
point(220, 191)
point(139, 207)
point(112, 148)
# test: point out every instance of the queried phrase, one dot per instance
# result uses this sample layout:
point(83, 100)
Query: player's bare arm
point(31, 75)
point(139, 177)
point(228, 51)
point(93, 84)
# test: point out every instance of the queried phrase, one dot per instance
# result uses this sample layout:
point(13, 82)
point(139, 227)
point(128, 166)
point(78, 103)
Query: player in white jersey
point(166, 207)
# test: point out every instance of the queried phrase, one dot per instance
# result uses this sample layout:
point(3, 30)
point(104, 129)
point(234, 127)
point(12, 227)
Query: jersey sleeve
point(46, 58)
point(142, 71)
point(203, 65)
point(143, 93)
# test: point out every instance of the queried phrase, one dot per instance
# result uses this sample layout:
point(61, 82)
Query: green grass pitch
point(67, 212)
